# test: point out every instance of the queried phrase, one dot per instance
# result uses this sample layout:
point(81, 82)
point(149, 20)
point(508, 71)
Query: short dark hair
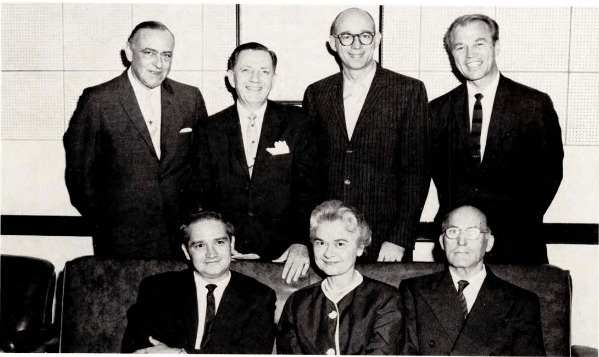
point(255, 46)
point(152, 25)
point(204, 216)
point(466, 19)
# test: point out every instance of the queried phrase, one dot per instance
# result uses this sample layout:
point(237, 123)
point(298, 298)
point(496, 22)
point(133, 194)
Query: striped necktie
point(477, 124)
point(210, 313)
point(462, 284)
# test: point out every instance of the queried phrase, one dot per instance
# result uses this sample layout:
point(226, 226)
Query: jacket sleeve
point(81, 142)
point(139, 322)
point(408, 310)
point(388, 335)
point(528, 335)
point(287, 341)
point(413, 175)
point(259, 335)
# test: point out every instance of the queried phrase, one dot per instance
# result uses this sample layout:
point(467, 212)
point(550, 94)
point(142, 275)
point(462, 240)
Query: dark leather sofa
point(27, 286)
point(97, 293)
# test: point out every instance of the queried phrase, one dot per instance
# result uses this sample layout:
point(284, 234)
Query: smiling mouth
point(254, 89)
point(474, 64)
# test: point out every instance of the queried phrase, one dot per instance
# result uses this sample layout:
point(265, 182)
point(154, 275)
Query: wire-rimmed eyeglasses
point(347, 39)
point(471, 233)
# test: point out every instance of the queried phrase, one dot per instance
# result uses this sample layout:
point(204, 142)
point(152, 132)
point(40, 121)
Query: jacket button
point(330, 351)
point(333, 315)
point(349, 151)
point(347, 182)
point(431, 343)
point(251, 214)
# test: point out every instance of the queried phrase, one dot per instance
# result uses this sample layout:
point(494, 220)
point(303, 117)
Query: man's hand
point(159, 347)
point(390, 253)
point(297, 262)
point(239, 256)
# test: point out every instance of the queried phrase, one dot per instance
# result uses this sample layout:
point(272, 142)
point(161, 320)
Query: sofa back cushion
point(99, 291)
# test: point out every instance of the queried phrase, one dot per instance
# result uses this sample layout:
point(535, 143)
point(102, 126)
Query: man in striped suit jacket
point(372, 129)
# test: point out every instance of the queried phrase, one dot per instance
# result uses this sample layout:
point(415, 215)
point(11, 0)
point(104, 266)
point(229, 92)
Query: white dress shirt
point(201, 293)
point(245, 122)
point(487, 104)
point(470, 291)
point(149, 104)
point(354, 95)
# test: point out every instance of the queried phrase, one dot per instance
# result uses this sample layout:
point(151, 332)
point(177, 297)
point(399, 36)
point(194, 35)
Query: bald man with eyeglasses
point(372, 134)
point(466, 309)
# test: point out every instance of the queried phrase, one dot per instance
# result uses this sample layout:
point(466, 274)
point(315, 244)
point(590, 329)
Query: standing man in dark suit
point(372, 128)
point(128, 147)
point(255, 163)
point(205, 309)
point(497, 145)
point(466, 309)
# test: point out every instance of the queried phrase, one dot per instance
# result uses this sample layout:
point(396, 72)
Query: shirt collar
point(221, 284)
point(488, 93)
point(138, 87)
point(476, 280)
point(365, 82)
point(339, 294)
point(244, 113)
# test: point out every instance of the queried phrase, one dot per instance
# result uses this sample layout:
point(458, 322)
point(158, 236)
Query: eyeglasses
point(471, 233)
point(347, 39)
point(151, 55)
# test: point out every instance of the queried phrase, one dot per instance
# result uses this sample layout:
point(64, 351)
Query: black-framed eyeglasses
point(347, 39)
point(471, 233)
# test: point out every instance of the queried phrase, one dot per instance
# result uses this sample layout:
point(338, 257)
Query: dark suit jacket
point(520, 172)
point(504, 320)
point(167, 310)
point(271, 210)
point(370, 321)
point(381, 170)
point(113, 175)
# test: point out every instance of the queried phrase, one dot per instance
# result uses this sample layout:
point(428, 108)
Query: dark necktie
point(252, 142)
point(477, 124)
point(210, 313)
point(462, 284)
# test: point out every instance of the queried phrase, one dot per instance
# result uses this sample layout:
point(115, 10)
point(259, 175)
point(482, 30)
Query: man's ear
point(497, 48)
point(377, 39)
point(332, 43)
point(185, 251)
point(231, 77)
point(128, 51)
point(490, 242)
point(441, 241)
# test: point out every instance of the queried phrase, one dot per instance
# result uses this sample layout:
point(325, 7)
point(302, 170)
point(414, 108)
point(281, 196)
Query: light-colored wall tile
point(76, 82)
point(584, 46)
point(555, 84)
point(215, 92)
point(94, 35)
point(32, 37)
point(185, 22)
point(193, 78)
point(438, 83)
point(435, 21)
point(33, 179)
point(533, 39)
point(220, 35)
point(583, 109)
point(401, 38)
point(32, 106)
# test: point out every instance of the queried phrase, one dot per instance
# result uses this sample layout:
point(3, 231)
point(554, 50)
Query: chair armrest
point(583, 351)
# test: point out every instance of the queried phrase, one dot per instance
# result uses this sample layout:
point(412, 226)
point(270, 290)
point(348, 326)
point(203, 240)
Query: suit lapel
point(233, 128)
point(488, 311)
point(372, 98)
point(170, 122)
point(442, 298)
point(336, 100)
point(228, 310)
point(268, 134)
point(190, 309)
point(499, 112)
point(131, 106)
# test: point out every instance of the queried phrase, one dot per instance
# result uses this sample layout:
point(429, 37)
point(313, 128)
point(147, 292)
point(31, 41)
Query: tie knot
point(252, 117)
point(210, 288)
point(478, 96)
point(462, 284)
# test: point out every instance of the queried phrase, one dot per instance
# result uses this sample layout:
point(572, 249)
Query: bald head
point(352, 14)
point(467, 213)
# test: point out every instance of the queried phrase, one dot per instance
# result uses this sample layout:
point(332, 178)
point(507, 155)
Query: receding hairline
point(348, 11)
point(468, 210)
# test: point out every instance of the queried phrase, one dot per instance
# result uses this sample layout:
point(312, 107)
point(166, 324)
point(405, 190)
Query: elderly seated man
point(466, 309)
point(204, 309)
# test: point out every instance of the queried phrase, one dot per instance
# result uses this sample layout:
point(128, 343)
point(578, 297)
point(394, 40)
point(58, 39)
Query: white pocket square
point(185, 130)
point(279, 149)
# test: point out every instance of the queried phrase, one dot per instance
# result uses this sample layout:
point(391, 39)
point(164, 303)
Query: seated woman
point(346, 313)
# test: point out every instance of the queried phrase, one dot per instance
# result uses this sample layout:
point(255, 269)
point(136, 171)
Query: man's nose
point(158, 61)
point(462, 240)
point(470, 51)
point(210, 252)
point(356, 44)
point(255, 77)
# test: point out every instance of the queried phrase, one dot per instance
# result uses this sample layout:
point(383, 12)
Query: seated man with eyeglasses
point(466, 309)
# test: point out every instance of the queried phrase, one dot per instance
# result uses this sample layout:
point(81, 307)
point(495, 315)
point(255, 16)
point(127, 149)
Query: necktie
point(252, 142)
point(153, 122)
point(462, 284)
point(210, 313)
point(477, 124)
